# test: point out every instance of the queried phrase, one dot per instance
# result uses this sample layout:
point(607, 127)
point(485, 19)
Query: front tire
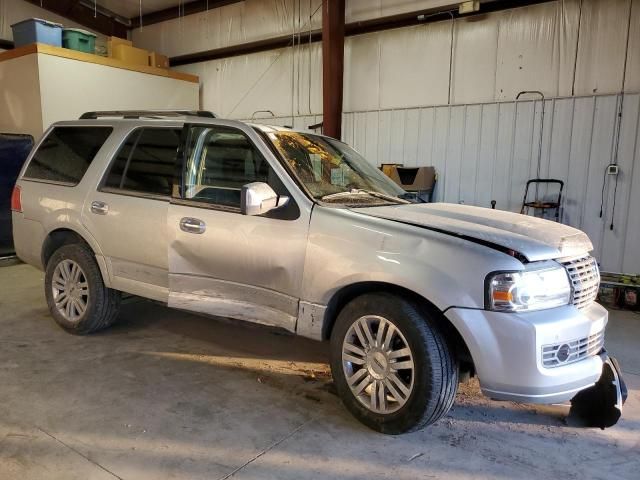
point(392, 366)
point(76, 295)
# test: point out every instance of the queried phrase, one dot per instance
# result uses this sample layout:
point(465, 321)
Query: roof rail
point(147, 114)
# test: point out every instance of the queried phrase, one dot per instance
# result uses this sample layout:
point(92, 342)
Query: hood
point(534, 238)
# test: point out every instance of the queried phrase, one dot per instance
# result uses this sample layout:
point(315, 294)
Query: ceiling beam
point(180, 10)
point(247, 48)
point(78, 12)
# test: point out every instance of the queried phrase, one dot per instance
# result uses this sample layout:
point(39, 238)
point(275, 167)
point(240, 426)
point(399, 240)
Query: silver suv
point(297, 230)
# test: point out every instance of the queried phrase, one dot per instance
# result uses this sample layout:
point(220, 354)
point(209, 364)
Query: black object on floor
point(601, 405)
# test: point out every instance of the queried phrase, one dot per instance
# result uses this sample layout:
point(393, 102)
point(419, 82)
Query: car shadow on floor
point(237, 337)
point(267, 352)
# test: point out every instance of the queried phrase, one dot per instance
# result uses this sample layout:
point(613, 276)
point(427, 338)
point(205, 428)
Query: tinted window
point(66, 153)
point(146, 162)
point(220, 161)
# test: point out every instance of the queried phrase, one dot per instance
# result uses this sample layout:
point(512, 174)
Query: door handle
point(99, 208)
point(192, 225)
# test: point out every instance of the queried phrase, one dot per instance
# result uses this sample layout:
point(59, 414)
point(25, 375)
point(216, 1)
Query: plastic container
point(101, 49)
point(80, 40)
point(36, 30)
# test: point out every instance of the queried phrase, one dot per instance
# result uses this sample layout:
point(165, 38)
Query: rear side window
point(65, 155)
point(146, 162)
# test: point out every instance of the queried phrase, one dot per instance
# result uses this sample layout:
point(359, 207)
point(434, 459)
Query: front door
point(222, 262)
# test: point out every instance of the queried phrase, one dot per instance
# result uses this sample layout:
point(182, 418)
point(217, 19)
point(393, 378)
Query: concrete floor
point(166, 394)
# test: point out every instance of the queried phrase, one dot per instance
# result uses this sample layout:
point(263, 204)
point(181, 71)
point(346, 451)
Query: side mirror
point(258, 198)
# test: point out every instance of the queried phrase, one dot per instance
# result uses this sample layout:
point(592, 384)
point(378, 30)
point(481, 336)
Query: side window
point(65, 155)
point(146, 162)
point(220, 161)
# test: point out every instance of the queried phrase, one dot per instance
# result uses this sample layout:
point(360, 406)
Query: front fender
point(345, 248)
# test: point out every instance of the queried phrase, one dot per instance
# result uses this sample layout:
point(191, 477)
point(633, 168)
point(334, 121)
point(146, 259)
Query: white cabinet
point(41, 84)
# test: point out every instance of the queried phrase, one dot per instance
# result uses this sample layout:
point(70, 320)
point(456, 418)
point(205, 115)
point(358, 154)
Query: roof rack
point(147, 114)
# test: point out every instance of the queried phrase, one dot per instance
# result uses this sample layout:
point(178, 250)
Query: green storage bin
point(80, 40)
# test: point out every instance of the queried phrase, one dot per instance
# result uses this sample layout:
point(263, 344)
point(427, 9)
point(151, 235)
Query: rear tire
point(76, 295)
point(403, 360)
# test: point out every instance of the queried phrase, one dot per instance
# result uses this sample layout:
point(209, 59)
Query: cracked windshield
point(333, 172)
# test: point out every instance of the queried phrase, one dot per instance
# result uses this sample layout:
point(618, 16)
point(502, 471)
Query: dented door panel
point(234, 265)
point(241, 266)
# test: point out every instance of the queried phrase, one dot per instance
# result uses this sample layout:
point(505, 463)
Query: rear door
point(222, 262)
point(127, 213)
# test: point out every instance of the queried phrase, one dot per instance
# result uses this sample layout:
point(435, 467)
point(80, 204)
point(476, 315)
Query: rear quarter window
point(66, 153)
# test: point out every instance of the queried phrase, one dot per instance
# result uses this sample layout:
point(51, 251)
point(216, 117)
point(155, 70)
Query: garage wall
point(253, 20)
point(563, 48)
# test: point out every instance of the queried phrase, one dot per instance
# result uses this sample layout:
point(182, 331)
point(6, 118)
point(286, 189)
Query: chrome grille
point(569, 352)
point(585, 280)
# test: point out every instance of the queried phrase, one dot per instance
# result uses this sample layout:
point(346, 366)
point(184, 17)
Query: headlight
point(535, 288)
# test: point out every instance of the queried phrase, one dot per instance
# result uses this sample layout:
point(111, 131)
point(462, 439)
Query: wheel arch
point(347, 293)
point(66, 236)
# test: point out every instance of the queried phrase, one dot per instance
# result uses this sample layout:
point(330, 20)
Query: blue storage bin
point(37, 30)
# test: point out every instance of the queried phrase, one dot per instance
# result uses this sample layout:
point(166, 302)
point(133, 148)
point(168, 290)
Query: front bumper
point(507, 351)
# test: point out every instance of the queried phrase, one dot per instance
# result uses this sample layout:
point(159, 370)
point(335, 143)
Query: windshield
point(333, 172)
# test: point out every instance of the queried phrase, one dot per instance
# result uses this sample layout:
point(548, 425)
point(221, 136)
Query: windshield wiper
point(412, 197)
point(360, 191)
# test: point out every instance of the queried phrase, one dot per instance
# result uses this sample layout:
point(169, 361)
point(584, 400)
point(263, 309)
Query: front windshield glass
point(333, 172)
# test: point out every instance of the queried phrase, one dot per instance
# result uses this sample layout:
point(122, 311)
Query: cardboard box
point(158, 60)
point(113, 41)
point(412, 179)
point(389, 168)
point(130, 55)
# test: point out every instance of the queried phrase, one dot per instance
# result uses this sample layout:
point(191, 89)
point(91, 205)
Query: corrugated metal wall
point(485, 152)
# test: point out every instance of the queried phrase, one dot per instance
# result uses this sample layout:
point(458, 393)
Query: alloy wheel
point(70, 290)
point(378, 364)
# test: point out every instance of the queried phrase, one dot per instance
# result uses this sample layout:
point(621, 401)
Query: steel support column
point(332, 66)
